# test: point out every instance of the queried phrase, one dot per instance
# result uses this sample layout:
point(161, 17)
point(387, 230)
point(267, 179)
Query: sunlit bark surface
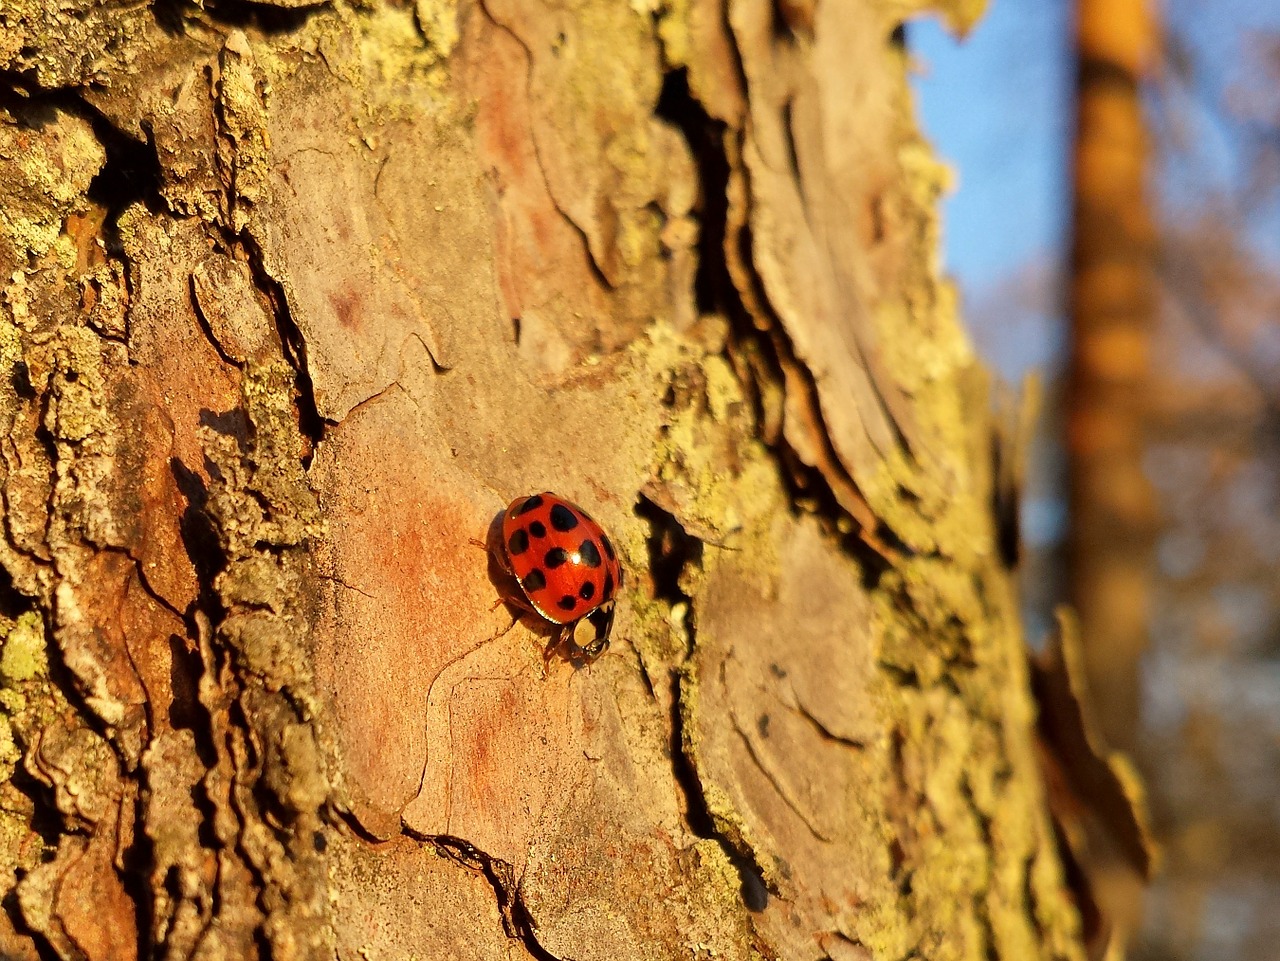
point(296, 297)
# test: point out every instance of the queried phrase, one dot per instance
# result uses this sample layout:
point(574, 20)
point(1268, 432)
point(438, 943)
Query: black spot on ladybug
point(555, 557)
point(518, 544)
point(608, 585)
point(608, 547)
point(587, 591)
point(563, 519)
point(538, 529)
point(590, 556)
point(535, 580)
point(532, 504)
point(567, 603)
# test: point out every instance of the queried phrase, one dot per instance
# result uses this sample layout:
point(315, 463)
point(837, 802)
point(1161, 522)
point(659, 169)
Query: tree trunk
point(1112, 310)
point(298, 296)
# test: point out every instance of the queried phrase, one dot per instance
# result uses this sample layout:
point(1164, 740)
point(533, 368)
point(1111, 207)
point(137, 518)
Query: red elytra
point(565, 566)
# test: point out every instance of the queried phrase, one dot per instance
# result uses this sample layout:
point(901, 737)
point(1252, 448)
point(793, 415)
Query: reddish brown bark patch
point(406, 594)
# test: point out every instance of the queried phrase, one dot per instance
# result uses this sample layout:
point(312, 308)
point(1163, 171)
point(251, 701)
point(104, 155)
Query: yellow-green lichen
point(244, 152)
point(27, 702)
point(708, 456)
point(713, 867)
point(78, 411)
point(410, 45)
point(396, 57)
point(728, 821)
point(46, 170)
point(10, 755)
point(673, 31)
point(72, 42)
point(928, 612)
point(25, 652)
point(438, 21)
point(10, 355)
point(959, 703)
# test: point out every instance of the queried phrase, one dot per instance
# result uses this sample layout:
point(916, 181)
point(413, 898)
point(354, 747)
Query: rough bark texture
point(297, 297)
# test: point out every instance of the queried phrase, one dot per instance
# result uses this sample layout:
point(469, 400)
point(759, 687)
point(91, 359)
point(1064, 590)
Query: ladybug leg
point(553, 647)
point(524, 607)
point(498, 557)
point(517, 602)
point(548, 651)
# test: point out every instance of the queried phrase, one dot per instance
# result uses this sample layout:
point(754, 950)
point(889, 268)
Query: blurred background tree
point(1183, 646)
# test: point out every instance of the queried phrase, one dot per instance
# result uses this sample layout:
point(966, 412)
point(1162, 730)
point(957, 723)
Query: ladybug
point(564, 567)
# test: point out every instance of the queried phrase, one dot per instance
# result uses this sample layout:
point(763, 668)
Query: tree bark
point(298, 296)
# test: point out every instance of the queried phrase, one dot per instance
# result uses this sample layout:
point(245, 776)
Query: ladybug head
point(601, 621)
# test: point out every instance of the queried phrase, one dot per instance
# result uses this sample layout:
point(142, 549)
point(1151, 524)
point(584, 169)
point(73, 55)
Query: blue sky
point(997, 107)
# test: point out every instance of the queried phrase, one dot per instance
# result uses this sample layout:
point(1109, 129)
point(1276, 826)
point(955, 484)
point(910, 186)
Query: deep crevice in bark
point(263, 18)
point(131, 174)
point(171, 15)
point(44, 951)
point(671, 549)
point(132, 171)
point(294, 344)
point(46, 821)
point(712, 285)
point(200, 539)
point(135, 876)
point(1078, 886)
point(13, 602)
point(715, 292)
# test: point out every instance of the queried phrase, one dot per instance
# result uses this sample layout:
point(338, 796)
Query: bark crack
point(132, 171)
point(339, 581)
point(782, 790)
point(981, 896)
point(266, 18)
point(517, 922)
point(294, 344)
point(671, 551)
point(822, 730)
